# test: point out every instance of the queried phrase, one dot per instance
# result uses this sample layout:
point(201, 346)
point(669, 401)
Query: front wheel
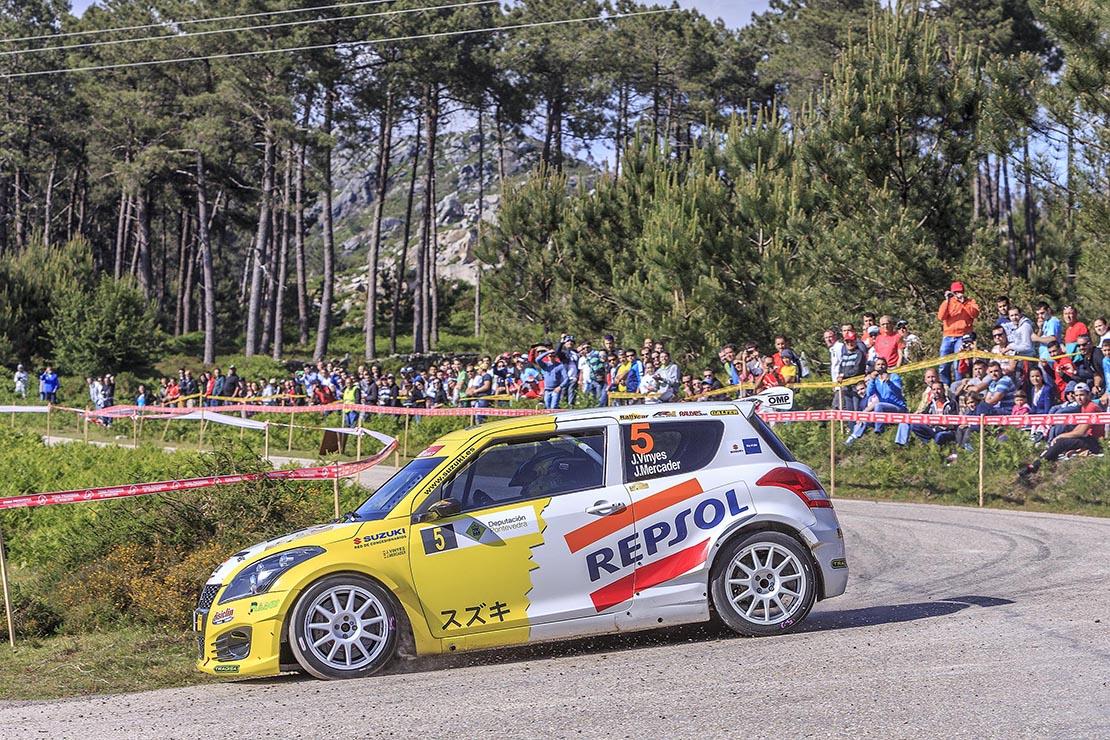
point(344, 626)
point(763, 584)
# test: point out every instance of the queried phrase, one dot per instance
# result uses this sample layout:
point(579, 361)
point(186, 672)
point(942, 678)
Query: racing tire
point(763, 584)
point(344, 626)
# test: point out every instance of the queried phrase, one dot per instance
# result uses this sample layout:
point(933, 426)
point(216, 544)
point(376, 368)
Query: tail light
point(801, 484)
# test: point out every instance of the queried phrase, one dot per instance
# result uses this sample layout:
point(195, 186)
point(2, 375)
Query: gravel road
point(958, 623)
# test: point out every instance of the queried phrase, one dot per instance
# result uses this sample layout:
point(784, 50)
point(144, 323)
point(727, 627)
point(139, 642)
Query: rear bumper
point(827, 546)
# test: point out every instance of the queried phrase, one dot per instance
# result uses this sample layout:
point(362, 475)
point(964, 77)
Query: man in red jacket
point(957, 313)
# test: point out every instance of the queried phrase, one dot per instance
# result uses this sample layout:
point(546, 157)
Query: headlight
point(257, 578)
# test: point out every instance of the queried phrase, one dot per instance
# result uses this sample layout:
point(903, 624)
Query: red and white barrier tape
point(1025, 420)
point(325, 472)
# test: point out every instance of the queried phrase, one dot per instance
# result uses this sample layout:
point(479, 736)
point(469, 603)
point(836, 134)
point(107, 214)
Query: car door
point(502, 561)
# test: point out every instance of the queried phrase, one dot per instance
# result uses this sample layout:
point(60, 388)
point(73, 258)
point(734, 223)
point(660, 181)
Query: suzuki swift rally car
point(540, 528)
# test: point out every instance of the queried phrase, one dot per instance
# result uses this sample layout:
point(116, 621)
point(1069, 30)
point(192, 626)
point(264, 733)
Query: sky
point(735, 13)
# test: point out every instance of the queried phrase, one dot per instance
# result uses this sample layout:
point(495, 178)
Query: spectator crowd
point(1040, 365)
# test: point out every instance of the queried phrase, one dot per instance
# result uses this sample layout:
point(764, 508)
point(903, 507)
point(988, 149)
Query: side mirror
point(439, 510)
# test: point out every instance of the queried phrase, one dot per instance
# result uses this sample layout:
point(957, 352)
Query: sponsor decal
point(473, 615)
point(379, 539)
point(637, 487)
point(485, 529)
point(779, 399)
point(451, 467)
point(632, 417)
point(691, 413)
point(430, 451)
point(669, 536)
point(735, 448)
point(752, 447)
point(223, 616)
point(261, 606)
point(225, 669)
point(393, 552)
point(724, 412)
point(839, 563)
point(665, 414)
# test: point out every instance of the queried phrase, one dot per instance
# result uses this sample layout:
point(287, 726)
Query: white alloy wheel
point(763, 584)
point(343, 626)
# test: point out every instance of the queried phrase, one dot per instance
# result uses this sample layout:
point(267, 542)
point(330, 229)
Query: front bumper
point(241, 638)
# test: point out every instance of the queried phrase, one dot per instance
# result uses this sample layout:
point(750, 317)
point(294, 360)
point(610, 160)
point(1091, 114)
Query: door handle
point(605, 508)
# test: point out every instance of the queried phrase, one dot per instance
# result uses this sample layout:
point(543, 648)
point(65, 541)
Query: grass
point(117, 661)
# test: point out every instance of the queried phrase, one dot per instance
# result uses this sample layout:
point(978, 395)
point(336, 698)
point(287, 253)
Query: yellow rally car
point(540, 528)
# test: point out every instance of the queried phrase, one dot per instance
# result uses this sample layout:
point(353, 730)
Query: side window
point(536, 468)
point(652, 450)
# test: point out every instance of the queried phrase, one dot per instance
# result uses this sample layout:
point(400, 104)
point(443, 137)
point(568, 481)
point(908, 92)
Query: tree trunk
point(274, 253)
point(71, 206)
point(481, 198)
point(401, 270)
point(190, 280)
point(422, 308)
point(500, 126)
point(618, 138)
point(20, 227)
point(121, 232)
point(48, 202)
point(205, 246)
point(142, 248)
point(258, 251)
point(323, 328)
point(1012, 251)
point(283, 261)
point(1030, 210)
point(299, 235)
point(182, 266)
point(385, 143)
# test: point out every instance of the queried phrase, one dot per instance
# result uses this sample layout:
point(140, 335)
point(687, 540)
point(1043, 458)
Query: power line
point(286, 24)
point(164, 24)
point(315, 47)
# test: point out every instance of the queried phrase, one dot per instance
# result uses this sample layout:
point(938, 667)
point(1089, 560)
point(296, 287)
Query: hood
point(318, 534)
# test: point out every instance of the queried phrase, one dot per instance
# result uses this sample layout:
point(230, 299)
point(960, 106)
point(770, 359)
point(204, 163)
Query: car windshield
point(396, 488)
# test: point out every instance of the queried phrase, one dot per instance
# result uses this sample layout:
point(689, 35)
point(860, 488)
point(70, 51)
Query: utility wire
point(216, 19)
point(315, 47)
point(211, 32)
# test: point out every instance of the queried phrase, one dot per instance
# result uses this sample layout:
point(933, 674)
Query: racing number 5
point(437, 535)
point(642, 441)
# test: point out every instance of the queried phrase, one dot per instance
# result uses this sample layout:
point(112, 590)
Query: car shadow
point(873, 616)
point(688, 633)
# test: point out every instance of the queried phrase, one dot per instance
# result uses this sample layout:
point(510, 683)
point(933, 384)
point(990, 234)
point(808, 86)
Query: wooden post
point(49, 408)
point(832, 458)
point(168, 420)
point(135, 431)
point(982, 447)
point(86, 425)
point(266, 454)
point(406, 435)
point(335, 481)
point(292, 415)
point(7, 595)
point(358, 438)
point(200, 439)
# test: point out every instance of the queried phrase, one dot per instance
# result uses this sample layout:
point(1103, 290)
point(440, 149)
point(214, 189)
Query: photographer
point(957, 314)
point(884, 394)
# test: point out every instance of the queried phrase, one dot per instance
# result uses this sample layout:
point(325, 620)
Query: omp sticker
point(482, 529)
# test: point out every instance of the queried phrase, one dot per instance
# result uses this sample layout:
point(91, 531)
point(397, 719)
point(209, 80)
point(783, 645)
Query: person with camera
point(884, 394)
point(957, 314)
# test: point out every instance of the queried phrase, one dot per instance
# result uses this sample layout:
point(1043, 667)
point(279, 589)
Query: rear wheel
point(763, 584)
point(344, 626)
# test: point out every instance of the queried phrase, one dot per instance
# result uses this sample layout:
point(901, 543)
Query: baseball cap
point(873, 330)
point(1070, 388)
point(1105, 340)
point(901, 323)
point(1082, 387)
point(970, 336)
point(850, 335)
point(609, 336)
point(957, 287)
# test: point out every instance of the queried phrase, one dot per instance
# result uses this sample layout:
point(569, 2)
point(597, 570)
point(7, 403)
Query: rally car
point(536, 528)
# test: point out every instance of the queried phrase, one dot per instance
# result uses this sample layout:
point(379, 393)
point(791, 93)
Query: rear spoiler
point(780, 398)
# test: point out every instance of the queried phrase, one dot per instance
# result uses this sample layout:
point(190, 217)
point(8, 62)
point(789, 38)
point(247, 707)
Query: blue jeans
point(572, 392)
point(551, 398)
point(949, 371)
point(600, 392)
point(887, 408)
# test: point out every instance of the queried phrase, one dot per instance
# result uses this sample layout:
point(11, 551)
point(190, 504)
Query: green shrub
point(32, 614)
